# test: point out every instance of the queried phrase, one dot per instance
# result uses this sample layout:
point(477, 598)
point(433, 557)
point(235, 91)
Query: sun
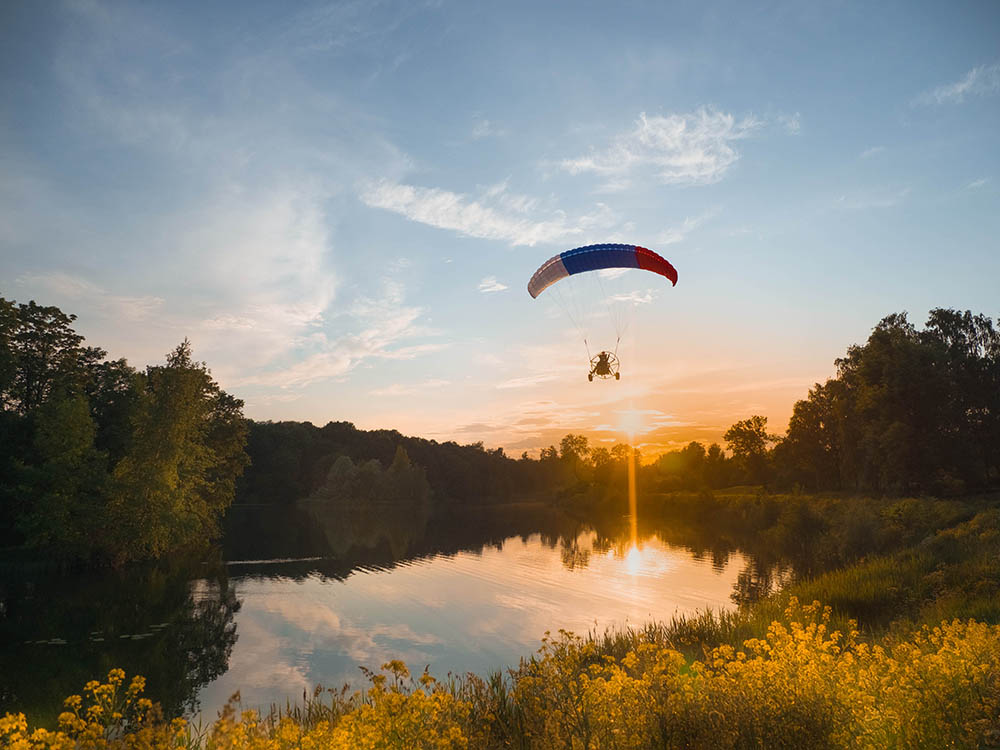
point(632, 422)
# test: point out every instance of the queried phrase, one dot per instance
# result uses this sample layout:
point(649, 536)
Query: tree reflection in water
point(573, 556)
point(173, 622)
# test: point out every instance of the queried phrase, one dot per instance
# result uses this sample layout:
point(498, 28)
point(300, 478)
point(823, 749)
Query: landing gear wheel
point(618, 376)
point(590, 377)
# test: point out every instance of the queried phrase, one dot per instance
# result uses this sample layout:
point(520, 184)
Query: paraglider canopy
point(595, 258)
point(608, 256)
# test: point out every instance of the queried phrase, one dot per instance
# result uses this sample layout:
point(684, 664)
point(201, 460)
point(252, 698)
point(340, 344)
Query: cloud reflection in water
point(471, 611)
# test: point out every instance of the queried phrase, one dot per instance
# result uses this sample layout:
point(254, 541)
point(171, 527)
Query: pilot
point(603, 366)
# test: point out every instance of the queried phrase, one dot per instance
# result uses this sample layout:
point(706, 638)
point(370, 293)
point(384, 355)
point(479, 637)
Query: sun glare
point(633, 560)
point(632, 422)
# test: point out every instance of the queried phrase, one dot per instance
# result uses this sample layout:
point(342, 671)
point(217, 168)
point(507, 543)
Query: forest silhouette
point(103, 463)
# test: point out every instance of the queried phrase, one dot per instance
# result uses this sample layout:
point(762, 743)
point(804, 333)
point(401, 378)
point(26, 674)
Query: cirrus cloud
point(695, 148)
point(496, 215)
point(411, 389)
point(490, 285)
point(980, 81)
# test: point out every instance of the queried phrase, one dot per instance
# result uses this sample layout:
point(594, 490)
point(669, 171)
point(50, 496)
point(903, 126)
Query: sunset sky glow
point(340, 204)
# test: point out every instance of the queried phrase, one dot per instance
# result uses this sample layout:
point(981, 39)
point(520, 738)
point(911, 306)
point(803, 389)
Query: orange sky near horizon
point(665, 401)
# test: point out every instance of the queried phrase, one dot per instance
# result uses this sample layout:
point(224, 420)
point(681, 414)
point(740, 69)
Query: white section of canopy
point(551, 271)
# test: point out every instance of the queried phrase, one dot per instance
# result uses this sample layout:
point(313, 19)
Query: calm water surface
point(301, 596)
point(470, 611)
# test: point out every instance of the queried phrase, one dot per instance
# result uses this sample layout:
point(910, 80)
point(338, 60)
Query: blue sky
point(340, 204)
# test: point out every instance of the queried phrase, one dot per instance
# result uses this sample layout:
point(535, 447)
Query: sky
point(340, 204)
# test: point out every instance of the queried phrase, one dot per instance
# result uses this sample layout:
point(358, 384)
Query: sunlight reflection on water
point(471, 611)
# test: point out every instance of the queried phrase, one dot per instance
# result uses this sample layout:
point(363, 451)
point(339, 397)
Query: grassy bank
point(943, 575)
point(921, 670)
point(815, 533)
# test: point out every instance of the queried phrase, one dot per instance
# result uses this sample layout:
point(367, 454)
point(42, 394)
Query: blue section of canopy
point(593, 257)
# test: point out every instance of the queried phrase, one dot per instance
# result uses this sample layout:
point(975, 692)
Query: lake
point(301, 597)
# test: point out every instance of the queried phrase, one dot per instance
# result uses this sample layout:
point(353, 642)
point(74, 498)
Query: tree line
point(910, 411)
point(290, 461)
point(101, 462)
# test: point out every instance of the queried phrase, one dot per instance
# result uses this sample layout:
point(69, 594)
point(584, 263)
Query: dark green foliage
point(41, 354)
point(41, 359)
point(790, 537)
point(113, 394)
point(909, 411)
point(403, 482)
point(293, 460)
point(748, 440)
point(66, 485)
point(810, 452)
point(185, 451)
point(574, 448)
point(100, 462)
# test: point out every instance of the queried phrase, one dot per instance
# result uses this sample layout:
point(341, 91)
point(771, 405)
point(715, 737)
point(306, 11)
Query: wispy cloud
point(382, 327)
point(476, 428)
point(254, 281)
point(695, 148)
point(640, 421)
point(875, 198)
point(526, 424)
point(791, 123)
point(496, 215)
point(410, 389)
point(529, 380)
point(868, 153)
point(612, 273)
point(76, 290)
point(980, 81)
point(230, 241)
point(672, 235)
point(981, 182)
point(635, 297)
point(344, 28)
point(338, 359)
point(490, 285)
point(289, 345)
point(483, 128)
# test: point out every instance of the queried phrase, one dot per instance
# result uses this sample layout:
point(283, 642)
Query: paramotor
point(603, 257)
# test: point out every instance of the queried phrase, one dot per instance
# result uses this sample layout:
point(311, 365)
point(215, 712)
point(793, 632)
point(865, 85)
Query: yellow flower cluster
point(801, 685)
point(392, 713)
point(102, 718)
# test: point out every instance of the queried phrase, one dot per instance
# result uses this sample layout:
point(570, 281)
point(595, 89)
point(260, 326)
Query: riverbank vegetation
point(906, 654)
point(103, 463)
point(153, 458)
point(802, 684)
point(910, 411)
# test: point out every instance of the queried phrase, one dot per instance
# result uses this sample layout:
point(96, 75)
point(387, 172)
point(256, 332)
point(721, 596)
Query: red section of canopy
point(650, 261)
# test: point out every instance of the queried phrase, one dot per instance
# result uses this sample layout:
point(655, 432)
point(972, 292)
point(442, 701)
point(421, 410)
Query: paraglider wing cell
point(594, 258)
